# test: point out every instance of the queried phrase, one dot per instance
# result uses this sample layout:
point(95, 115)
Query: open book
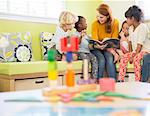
point(109, 42)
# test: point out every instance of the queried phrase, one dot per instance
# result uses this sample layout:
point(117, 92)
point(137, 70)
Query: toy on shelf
point(68, 46)
point(52, 68)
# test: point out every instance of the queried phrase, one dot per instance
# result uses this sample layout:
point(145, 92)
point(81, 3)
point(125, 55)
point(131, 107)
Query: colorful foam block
point(53, 99)
point(83, 82)
point(66, 95)
point(77, 89)
point(92, 94)
point(107, 84)
point(92, 81)
point(105, 98)
point(80, 82)
point(55, 91)
point(52, 74)
point(52, 65)
point(77, 99)
point(85, 98)
point(51, 55)
point(69, 57)
point(85, 69)
point(66, 99)
point(69, 66)
point(92, 99)
point(88, 87)
point(70, 76)
point(69, 44)
point(114, 94)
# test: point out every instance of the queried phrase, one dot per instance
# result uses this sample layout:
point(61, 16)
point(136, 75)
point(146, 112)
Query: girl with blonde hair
point(67, 21)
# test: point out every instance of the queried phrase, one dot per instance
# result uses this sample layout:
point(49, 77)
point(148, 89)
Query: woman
point(104, 27)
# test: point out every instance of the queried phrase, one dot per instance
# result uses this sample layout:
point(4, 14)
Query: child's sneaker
point(97, 81)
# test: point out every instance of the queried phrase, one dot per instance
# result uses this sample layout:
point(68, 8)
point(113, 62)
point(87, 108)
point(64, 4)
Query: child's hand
point(121, 34)
point(116, 58)
point(63, 57)
point(104, 46)
point(124, 50)
point(75, 57)
point(131, 60)
point(115, 54)
point(120, 53)
point(91, 46)
point(83, 33)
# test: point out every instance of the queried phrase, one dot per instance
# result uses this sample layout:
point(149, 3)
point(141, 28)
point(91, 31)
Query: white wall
point(119, 7)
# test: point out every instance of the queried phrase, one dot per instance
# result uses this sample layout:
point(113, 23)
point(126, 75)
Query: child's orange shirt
point(99, 33)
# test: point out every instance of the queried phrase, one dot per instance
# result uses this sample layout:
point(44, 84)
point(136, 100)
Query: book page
point(105, 39)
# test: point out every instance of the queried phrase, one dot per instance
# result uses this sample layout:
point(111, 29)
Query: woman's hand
point(101, 47)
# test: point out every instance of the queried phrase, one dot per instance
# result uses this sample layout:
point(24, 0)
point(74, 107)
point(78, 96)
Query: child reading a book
point(84, 52)
point(138, 43)
point(66, 24)
point(123, 36)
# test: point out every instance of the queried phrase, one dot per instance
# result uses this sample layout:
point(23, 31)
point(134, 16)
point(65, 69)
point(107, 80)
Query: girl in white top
point(66, 24)
point(139, 43)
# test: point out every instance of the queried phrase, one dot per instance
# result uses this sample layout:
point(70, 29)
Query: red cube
point(107, 84)
point(70, 44)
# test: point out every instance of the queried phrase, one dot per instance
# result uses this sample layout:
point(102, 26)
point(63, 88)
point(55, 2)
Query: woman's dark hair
point(136, 12)
point(78, 22)
point(105, 10)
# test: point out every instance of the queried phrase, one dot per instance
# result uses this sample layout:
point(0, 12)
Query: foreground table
point(38, 107)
